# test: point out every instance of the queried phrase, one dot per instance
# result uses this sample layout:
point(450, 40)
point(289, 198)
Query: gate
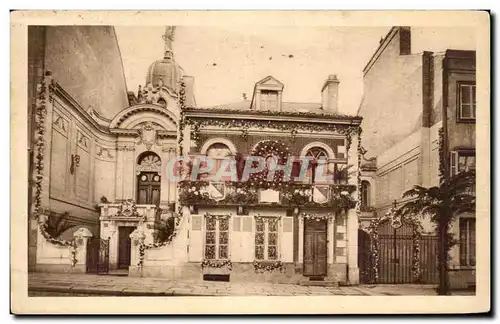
point(365, 258)
point(395, 253)
point(98, 255)
point(428, 259)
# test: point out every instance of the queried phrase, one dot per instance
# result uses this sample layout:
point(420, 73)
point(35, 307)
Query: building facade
point(407, 98)
point(114, 164)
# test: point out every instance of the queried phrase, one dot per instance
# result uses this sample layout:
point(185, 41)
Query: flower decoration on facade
point(216, 264)
point(242, 196)
point(416, 236)
point(268, 218)
point(318, 217)
point(298, 196)
point(214, 216)
point(193, 193)
point(267, 266)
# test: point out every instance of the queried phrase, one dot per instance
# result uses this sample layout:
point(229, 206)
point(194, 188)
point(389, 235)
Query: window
point(268, 100)
point(467, 241)
point(148, 179)
point(218, 152)
point(319, 157)
point(365, 195)
point(266, 239)
point(216, 238)
point(461, 161)
point(466, 101)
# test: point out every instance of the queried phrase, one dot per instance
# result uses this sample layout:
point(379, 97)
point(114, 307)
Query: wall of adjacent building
point(86, 61)
point(392, 99)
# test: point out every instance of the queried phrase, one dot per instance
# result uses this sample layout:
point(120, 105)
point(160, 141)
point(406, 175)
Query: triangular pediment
point(270, 81)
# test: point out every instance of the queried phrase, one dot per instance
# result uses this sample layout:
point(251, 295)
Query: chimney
point(330, 94)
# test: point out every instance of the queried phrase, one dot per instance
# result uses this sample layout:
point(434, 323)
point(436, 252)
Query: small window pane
point(273, 226)
point(259, 252)
point(223, 252)
point(223, 224)
point(259, 238)
point(272, 253)
point(223, 237)
point(259, 225)
point(210, 238)
point(273, 239)
point(211, 224)
point(465, 91)
point(210, 252)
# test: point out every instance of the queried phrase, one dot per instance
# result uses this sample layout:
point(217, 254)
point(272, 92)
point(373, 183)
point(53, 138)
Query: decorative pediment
point(131, 117)
point(269, 82)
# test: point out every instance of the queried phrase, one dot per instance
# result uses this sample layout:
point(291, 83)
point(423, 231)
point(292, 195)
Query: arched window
point(218, 152)
point(319, 158)
point(365, 194)
point(148, 170)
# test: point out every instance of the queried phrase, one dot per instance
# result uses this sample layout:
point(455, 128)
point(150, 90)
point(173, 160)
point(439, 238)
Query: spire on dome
point(168, 37)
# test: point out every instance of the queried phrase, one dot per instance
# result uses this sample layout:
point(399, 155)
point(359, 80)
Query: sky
point(227, 62)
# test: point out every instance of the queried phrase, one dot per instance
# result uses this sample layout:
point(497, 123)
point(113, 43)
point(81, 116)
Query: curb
point(98, 292)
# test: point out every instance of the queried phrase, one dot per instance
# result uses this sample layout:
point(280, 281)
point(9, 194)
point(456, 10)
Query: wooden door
point(124, 246)
point(315, 249)
point(148, 188)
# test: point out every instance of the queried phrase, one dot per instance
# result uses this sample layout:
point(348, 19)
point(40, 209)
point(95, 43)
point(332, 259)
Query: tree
point(57, 224)
point(442, 203)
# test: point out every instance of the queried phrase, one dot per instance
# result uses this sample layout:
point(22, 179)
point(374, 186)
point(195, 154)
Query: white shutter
point(453, 163)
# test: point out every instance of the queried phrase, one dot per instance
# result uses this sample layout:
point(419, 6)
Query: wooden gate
point(98, 255)
point(395, 253)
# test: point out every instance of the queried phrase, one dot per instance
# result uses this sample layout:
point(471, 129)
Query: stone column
point(119, 173)
point(301, 240)
point(352, 247)
point(81, 237)
point(137, 237)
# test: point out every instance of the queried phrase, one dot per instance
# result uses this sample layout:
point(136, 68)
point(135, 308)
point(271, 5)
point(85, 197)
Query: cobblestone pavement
point(56, 284)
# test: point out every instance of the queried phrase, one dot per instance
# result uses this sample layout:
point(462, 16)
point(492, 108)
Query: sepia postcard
point(250, 162)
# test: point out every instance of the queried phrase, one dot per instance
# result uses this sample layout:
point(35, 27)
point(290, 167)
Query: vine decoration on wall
point(396, 222)
point(44, 94)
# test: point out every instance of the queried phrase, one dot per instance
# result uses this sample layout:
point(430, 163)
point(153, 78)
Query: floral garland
point(285, 126)
point(170, 238)
point(416, 236)
point(214, 216)
point(44, 94)
point(182, 118)
point(294, 194)
point(360, 195)
point(142, 253)
point(266, 266)
point(318, 217)
point(216, 264)
point(279, 113)
point(268, 218)
point(270, 148)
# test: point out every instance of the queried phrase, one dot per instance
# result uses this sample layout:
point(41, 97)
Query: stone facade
point(106, 166)
point(405, 95)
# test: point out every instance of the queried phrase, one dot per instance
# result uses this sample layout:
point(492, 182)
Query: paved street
point(51, 284)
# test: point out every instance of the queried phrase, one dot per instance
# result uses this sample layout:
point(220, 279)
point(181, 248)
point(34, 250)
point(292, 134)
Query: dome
point(164, 73)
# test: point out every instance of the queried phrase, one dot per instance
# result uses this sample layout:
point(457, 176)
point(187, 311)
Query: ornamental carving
point(127, 209)
point(149, 163)
point(147, 133)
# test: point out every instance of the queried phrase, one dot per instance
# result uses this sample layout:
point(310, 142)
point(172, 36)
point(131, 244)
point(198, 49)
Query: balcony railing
point(285, 194)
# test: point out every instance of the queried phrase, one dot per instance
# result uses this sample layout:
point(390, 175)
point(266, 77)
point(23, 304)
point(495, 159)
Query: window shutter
point(453, 163)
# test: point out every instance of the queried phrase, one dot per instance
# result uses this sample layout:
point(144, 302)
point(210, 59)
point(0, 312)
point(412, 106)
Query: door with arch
point(148, 179)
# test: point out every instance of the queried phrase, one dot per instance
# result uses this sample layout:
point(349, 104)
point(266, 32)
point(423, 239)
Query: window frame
point(473, 105)
point(265, 221)
point(465, 257)
point(217, 232)
point(265, 98)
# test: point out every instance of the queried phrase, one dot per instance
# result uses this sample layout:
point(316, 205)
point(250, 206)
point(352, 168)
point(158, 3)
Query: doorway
point(124, 246)
point(315, 249)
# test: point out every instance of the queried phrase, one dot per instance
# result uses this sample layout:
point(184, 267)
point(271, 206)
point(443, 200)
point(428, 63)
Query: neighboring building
point(85, 61)
point(405, 95)
point(103, 155)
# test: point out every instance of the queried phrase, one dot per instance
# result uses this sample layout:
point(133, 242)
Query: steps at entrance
point(319, 282)
point(121, 273)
